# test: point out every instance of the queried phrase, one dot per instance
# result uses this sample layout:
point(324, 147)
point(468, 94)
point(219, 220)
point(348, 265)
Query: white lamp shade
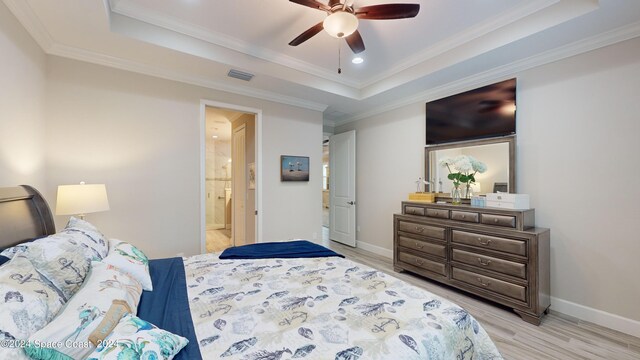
point(340, 24)
point(81, 199)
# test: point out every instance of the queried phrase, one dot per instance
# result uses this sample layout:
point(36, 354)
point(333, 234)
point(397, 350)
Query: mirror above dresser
point(498, 154)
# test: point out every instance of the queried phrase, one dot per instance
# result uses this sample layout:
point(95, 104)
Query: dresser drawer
point(420, 262)
point(512, 246)
point(414, 210)
point(423, 246)
point(513, 291)
point(420, 229)
point(499, 220)
point(438, 213)
point(465, 216)
point(491, 263)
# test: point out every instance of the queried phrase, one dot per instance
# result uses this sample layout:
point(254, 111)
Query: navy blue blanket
point(167, 306)
point(3, 259)
point(271, 250)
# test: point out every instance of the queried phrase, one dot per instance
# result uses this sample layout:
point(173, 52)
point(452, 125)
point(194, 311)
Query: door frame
point(258, 156)
point(234, 184)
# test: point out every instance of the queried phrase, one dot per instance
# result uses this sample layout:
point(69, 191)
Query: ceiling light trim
point(611, 37)
point(153, 17)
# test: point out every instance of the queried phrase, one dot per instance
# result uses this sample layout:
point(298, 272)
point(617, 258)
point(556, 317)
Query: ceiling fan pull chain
point(339, 67)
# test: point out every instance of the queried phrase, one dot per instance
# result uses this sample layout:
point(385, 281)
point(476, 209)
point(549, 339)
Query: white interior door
point(342, 188)
point(238, 191)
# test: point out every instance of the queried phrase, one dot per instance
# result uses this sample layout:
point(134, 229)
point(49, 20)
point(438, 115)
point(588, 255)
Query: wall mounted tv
point(489, 111)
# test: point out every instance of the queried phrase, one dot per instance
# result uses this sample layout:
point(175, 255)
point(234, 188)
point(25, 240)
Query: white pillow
point(27, 303)
point(136, 337)
point(83, 314)
point(131, 260)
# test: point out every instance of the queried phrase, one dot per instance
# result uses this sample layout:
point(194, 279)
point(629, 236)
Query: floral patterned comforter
point(323, 308)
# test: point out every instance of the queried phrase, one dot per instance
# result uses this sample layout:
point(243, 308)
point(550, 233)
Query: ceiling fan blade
point(311, 32)
point(387, 11)
point(355, 42)
point(312, 4)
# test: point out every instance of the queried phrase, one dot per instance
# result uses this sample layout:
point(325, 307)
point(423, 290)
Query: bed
point(320, 306)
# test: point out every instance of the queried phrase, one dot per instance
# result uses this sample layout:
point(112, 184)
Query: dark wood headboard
point(24, 216)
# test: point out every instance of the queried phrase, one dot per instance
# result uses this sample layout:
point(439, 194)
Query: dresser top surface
point(465, 207)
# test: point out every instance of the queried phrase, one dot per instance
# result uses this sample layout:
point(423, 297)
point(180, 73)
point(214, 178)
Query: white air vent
point(240, 75)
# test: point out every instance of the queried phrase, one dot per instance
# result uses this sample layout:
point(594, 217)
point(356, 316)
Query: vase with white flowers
point(466, 167)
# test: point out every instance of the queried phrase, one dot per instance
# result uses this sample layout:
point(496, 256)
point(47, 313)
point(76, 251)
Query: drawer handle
point(484, 242)
point(419, 246)
point(485, 284)
point(495, 221)
point(419, 262)
point(463, 216)
point(483, 262)
point(419, 229)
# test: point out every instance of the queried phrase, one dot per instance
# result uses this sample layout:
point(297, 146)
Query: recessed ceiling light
point(357, 60)
point(215, 136)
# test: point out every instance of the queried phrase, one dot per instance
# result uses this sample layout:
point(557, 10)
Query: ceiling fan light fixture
point(340, 24)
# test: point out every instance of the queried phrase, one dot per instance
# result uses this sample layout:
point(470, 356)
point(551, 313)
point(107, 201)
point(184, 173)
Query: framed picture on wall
point(294, 168)
point(252, 176)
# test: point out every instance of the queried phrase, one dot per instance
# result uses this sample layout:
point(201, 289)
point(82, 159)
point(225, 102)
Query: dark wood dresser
point(497, 254)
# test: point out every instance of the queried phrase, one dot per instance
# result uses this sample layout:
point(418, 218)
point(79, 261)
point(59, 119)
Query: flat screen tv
point(489, 111)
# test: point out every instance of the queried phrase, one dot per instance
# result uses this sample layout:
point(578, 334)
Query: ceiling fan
point(342, 19)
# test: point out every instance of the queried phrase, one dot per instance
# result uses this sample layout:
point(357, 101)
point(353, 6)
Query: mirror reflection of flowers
point(462, 170)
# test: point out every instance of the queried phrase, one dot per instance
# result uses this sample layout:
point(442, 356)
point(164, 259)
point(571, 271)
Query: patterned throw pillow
point(86, 235)
point(78, 232)
point(61, 262)
point(134, 338)
point(27, 303)
point(83, 313)
point(12, 251)
point(131, 260)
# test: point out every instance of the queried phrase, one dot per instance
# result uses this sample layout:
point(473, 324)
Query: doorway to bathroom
point(229, 193)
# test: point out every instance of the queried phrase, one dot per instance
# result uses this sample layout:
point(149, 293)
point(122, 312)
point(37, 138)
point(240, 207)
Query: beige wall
point(577, 126)
point(140, 135)
point(22, 84)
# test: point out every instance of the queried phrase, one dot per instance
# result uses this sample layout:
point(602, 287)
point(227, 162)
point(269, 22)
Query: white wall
point(578, 149)
point(389, 159)
point(140, 135)
point(22, 83)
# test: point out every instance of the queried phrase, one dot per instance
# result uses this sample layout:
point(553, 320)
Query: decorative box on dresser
point(495, 253)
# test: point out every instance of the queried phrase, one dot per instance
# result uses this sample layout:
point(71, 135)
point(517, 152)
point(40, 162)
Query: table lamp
point(81, 199)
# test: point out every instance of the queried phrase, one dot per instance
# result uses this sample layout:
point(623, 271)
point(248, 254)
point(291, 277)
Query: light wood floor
point(558, 337)
point(218, 240)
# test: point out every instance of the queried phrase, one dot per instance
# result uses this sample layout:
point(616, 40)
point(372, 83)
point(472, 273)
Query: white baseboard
point(375, 249)
point(602, 318)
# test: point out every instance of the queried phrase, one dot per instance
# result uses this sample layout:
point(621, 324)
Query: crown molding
point(463, 37)
point(611, 37)
point(145, 69)
point(27, 17)
point(152, 17)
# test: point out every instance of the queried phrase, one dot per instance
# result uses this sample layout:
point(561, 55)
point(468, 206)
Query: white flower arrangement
point(466, 167)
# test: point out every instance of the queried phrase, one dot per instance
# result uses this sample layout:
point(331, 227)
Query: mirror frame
point(510, 139)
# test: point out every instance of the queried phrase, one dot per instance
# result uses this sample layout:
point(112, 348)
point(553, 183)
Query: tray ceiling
point(450, 46)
